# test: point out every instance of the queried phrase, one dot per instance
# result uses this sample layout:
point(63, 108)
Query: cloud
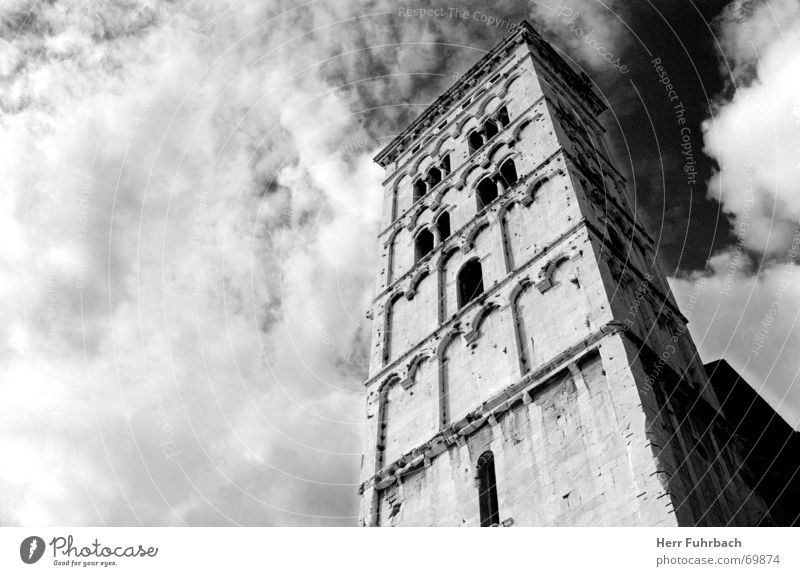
point(753, 321)
point(749, 29)
point(187, 248)
point(593, 33)
point(187, 251)
point(175, 216)
point(755, 136)
point(748, 304)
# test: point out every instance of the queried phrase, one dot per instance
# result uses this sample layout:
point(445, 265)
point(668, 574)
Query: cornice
point(545, 54)
point(429, 117)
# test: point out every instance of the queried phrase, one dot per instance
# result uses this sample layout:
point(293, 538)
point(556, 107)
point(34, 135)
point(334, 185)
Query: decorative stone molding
point(437, 210)
point(419, 274)
point(545, 279)
point(455, 244)
point(395, 186)
point(446, 339)
point(456, 433)
point(471, 338)
point(385, 483)
point(437, 446)
point(472, 233)
point(515, 132)
point(577, 375)
point(413, 366)
point(530, 191)
point(510, 79)
point(462, 181)
point(392, 235)
point(406, 383)
point(398, 293)
point(437, 197)
point(437, 149)
point(393, 378)
point(452, 245)
point(475, 324)
point(415, 214)
point(499, 163)
point(497, 146)
point(467, 124)
point(523, 283)
point(472, 426)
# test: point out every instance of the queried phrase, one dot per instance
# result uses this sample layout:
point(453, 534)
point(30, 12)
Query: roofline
point(520, 29)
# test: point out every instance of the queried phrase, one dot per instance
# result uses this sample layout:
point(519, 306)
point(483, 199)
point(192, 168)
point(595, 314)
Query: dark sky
point(680, 214)
point(642, 124)
point(186, 258)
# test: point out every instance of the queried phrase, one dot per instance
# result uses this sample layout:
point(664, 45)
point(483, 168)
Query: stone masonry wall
point(562, 457)
point(573, 367)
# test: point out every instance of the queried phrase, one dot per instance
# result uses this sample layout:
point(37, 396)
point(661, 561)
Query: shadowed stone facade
point(521, 323)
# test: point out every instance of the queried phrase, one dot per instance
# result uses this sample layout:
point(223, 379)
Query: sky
point(189, 211)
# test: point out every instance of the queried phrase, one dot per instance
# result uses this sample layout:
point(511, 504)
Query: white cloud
point(751, 318)
point(156, 357)
point(185, 256)
point(753, 321)
point(594, 33)
point(187, 252)
point(755, 137)
point(749, 29)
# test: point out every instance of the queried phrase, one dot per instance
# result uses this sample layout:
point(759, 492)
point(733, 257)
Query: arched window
point(434, 177)
point(508, 171)
point(490, 129)
point(443, 226)
point(420, 189)
point(487, 490)
point(445, 165)
point(475, 141)
point(502, 117)
point(470, 282)
point(423, 244)
point(487, 192)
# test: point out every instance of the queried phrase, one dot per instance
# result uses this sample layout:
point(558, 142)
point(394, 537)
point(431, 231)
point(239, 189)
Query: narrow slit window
point(470, 282)
point(443, 226)
point(502, 117)
point(434, 177)
point(490, 129)
point(420, 189)
point(487, 192)
point(423, 244)
point(475, 141)
point(508, 171)
point(487, 491)
point(445, 165)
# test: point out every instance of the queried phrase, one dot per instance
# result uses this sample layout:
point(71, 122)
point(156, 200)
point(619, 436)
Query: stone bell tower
point(529, 365)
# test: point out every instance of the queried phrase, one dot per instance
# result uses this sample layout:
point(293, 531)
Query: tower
point(528, 363)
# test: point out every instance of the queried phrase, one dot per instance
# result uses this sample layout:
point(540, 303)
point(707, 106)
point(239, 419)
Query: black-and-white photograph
point(384, 264)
